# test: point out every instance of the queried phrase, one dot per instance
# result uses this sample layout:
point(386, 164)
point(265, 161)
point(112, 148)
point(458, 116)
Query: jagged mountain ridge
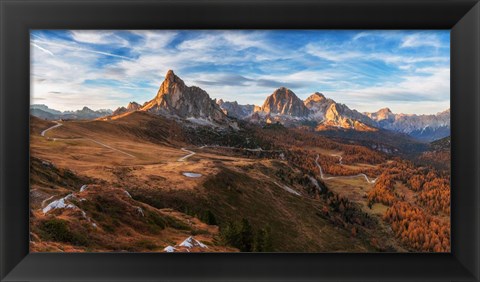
point(328, 114)
point(285, 107)
point(421, 127)
point(236, 110)
point(44, 112)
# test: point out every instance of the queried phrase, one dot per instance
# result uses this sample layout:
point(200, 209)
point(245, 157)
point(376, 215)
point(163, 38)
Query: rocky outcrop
point(133, 106)
point(174, 98)
point(284, 102)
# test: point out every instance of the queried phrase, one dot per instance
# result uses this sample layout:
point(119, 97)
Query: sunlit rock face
point(175, 98)
point(284, 102)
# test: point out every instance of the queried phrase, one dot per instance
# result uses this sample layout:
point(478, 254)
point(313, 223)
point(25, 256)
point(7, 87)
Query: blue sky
point(407, 71)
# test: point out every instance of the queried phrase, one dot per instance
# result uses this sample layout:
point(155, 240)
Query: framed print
point(187, 171)
point(239, 140)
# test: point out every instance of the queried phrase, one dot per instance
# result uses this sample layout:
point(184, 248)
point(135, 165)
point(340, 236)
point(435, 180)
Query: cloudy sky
point(407, 71)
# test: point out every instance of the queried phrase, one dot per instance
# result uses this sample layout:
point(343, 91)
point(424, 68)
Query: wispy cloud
point(41, 48)
point(72, 47)
point(421, 40)
point(98, 37)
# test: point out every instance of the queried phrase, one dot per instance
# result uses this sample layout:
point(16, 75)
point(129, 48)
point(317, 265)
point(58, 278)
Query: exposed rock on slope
point(67, 216)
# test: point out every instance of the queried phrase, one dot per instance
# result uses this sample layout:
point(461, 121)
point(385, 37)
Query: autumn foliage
point(417, 229)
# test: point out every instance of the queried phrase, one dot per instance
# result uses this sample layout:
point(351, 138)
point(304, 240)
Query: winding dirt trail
point(81, 138)
point(191, 153)
point(110, 147)
point(348, 176)
point(236, 148)
point(184, 158)
point(50, 128)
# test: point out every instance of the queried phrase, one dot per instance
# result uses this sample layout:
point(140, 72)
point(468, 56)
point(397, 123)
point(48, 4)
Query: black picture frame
point(17, 17)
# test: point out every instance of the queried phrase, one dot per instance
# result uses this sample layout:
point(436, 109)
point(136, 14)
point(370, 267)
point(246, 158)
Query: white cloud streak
point(41, 48)
point(67, 46)
point(421, 40)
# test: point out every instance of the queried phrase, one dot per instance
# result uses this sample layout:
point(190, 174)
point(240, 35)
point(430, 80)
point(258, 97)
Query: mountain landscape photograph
point(306, 141)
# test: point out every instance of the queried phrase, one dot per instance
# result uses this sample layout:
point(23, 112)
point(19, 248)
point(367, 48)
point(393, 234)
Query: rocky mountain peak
point(318, 104)
point(171, 78)
point(172, 85)
point(176, 98)
point(170, 75)
point(133, 106)
point(384, 114)
point(283, 101)
point(284, 92)
point(315, 97)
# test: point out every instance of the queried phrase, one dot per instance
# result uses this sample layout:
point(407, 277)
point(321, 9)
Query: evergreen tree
point(267, 240)
point(259, 242)
point(209, 218)
point(241, 235)
point(246, 236)
point(230, 234)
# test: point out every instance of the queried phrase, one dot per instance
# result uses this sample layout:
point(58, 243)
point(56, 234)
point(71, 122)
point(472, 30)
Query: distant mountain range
point(175, 99)
point(44, 112)
point(421, 127)
point(285, 107)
